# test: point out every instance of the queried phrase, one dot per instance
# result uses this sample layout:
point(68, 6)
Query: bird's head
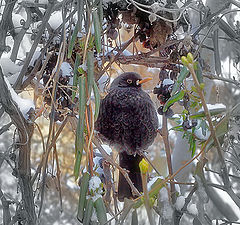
point(129, 79)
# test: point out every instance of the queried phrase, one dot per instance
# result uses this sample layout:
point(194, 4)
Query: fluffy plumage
point(128, 120)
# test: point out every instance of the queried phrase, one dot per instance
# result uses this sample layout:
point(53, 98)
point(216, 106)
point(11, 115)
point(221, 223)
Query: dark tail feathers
point(130, 163)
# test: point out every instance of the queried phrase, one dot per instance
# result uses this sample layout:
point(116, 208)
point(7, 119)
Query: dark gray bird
point(128, 120)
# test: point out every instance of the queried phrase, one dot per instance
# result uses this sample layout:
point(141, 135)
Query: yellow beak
point(144, 80)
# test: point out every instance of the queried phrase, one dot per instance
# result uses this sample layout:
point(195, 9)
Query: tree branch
point(25, 131)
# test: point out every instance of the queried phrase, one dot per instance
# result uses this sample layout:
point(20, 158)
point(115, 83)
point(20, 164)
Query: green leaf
point(217, 59)
point(72, 42)
point(154, 193)
point(204, 127)
point(192, 142)
point(221, 129)
point(183, 74)
point(90, 72)
point(213, 112)
point(80, 8)
point(226, 28)
point(101, 211)
point(75, 76)
point(174, 98)
point(177, 128)
point(97, 100)
point(100, 12)
point(97, 31)
point(88, 212)
point(78, 27)
point(82, 196)
point(79, 140)
point(199, 73)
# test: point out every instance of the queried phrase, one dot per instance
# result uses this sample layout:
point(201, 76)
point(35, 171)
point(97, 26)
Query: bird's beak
point(144, 80)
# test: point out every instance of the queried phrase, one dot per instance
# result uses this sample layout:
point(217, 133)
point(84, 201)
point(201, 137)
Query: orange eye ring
point(129, 81)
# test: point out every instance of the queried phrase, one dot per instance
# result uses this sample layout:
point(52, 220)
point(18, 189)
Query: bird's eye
point(129, 81)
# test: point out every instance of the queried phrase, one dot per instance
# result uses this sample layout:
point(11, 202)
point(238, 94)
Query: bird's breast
point(128, 119)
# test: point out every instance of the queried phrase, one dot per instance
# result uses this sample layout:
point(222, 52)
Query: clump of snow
point(166, 209)
point(98, 165)
point(152, 17)
point(152, 181)
point(94, 183)
point(95, 188)
point(12, 79)
point(159, 121)
point(102, 82)
point(24, 105)
point(155, 7)
point(106, 148)
point(94, 215)
point(167, 82)
point(199, 134)
point(163, 194)
point(177, 187)
point(9, 67)
point(35, 56)
point(180, 203)
point(83, 66)
point(215, 106)
point(55, 20)
point(97, 160)
point(109, 50)
point(66, 69)
point(192, 209)
point(167, 212)
point(18, 22)
point(71, 184)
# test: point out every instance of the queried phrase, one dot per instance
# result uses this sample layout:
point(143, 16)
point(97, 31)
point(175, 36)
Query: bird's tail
point(130, 163)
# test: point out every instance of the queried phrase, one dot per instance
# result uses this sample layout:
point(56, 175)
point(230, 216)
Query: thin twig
point(164, 132)
point(123, 171)
point(5, 128)
point(46, 17)
point(215, 77)
point(152, 165)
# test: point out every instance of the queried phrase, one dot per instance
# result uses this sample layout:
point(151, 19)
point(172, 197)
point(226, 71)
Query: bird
point(128, 121)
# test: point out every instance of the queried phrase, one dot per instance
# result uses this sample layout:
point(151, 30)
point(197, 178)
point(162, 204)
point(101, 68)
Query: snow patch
point(9, 67)
point(180, 203)
point(95, 188)
point(215, 106)
point(199, 134)
point(24, 105)
point(107, 149)
point(192, 209)
point(66, 69)
point(18, 22)
point(166, 209)
point(167, 82)
point(35, 56)
point(109, 50)
point(102, 82)
point(94, 183)
point(163, 194)
point(55, 20)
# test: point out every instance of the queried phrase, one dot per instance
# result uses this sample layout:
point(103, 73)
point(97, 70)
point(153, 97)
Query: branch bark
point(6, 23)
point(25, 131)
